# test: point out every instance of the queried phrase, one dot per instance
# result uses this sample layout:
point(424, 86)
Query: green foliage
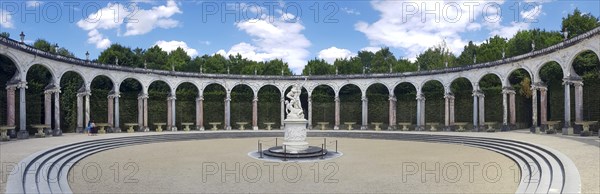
point(318, 67)
point(5, 35)
point(436, 58)
point(578, 23)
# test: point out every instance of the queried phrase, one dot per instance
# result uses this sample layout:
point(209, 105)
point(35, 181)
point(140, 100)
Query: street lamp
point(22, 35)
point(87, 55)
point(56, 48)
point(565, 34)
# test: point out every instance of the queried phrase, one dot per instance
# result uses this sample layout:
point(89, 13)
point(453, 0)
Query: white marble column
point(22, 134)
point(392, 112)
point(505, 93)
point(534, 109)
point(255, 113)
point(200, 113)
point(228, 110)
point(336, 125)
point(140, 112)
point(48, 107)
point(87, 106)
point(420, 111)
point(173, 115)
point(475, 110)
point(365, 113)
point(309, 112)
point(567, 128)
point(169, 110)
point(80, 124)
point(452, 120)
point(117, 124)
point(449, 111)
point(57, 131)
point(145, 104)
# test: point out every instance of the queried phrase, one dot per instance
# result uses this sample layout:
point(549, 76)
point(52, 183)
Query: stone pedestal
point(295, 135)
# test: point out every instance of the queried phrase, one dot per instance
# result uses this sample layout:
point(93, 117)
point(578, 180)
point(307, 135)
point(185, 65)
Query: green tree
point(365, 58)
point(43, 45)
point(178, 58)
point(5, 35)
point(436, 58)
point(382, 61)
point(318, 67)
point(125, 56)
point(467, 55)
point(156, 58)
point(578, 23)
point(353, 65)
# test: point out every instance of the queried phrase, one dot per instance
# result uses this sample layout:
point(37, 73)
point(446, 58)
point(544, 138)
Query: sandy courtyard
point(367, 166)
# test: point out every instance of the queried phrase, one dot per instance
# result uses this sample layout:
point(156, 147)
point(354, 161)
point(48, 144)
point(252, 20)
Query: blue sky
point(295, 31)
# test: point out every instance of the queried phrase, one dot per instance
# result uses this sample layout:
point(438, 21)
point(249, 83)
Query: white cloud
point(332, 53)
point(273, 38)
point(33, 3)
point(508, 31)
point(372, 49)
point(94, 37)
point(6, 19)
point(172, 45)
point(137, 21)
point(350, 11)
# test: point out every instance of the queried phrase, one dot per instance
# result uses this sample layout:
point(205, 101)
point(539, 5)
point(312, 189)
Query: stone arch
point(412, 83)
point(462, 90)
point(545, 63)
point(406, 104)
point(269, 107)
point(378, 107)
point(186, 93)
point(513, 70)
point(154, 80)
point(46, 66)
point(367, 86)
point(429, 79)
point(74, 70)
point(350, 103)
point(10, 56)
point(214, 95)
point(265, 85)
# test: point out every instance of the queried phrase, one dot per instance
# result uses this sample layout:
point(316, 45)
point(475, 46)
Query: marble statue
point(293, 107)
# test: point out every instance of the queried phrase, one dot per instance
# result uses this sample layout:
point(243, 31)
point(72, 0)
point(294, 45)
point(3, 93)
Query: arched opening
point(158, 92)
point(463, 100)
point(185, 104)
point(214, 105)
point(406, 103)
point(433, 91)
point(520, 80)
point(70, 83)
point(350, 104)
point(8, 68)
point(323, 105)
point(38, 78)
point(100, 89)
point(268, 106)
point(491, 86)
point(587, 66)
point(552, 74)
point(241, 105)
point(128, 109)
point(378, 112)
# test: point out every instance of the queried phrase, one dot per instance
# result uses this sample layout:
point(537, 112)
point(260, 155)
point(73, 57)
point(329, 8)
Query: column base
point(48, 131)
point(79, 130)
point(505, 128)
point(12, 133)
point(567, 131)
point(201, 128)
point(56, 132)
point(116, 130)
point(255, 128)
point(475, 129)
point(228, 128)
point(543, 128)
point(173, 128)
point(577, 129)
point(449, 128)
point(535, 129)
point(420, 128)
point(364, 127)
point(392, 128)
point(22, 134)
point(336, 127)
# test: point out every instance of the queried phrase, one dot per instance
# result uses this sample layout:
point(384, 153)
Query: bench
point(269, 125)
point(551, 125)
point(349, 124)
point(130, 127)
point(40, 130)
point(323, 124)
point(586, 126)
point(405, 126)
point(241, 124)
point(159, 126)
point(214, 124)
point(187, 126)
point(102, 126)
point(377, 124)
point(461, 126)
point(4, 132)
point(490, 126)
point(433, 125)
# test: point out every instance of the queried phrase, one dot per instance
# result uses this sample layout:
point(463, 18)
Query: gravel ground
point(584, 151)
point(367, 166)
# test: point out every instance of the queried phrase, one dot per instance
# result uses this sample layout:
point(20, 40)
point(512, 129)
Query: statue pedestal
point(295, 135)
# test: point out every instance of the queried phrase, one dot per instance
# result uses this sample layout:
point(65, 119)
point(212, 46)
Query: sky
point(295, 31)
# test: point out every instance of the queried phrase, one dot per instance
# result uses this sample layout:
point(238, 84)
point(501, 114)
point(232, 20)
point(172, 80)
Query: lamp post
point(87, 55)
point(22, 35)
point(532, 45)
point(56, 48)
